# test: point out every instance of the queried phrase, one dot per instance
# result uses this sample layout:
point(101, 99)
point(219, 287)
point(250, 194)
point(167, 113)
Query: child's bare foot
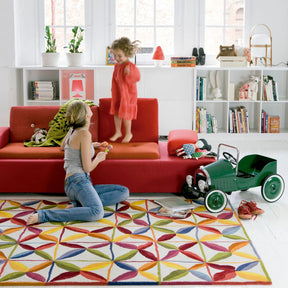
point(34, 218)
point(127, 138)
point(116, 136)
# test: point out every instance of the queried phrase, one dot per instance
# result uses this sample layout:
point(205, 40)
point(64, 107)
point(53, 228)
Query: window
point(224, 24)
point(150, 21)
point(61, 16)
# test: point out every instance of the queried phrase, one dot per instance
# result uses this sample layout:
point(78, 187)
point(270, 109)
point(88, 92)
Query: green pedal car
point(228, 174)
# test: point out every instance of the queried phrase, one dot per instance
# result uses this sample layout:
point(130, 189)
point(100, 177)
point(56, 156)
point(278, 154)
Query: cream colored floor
point(268, 232)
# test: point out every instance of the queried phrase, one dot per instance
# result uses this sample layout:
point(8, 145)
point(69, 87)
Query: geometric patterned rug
point(131, 245)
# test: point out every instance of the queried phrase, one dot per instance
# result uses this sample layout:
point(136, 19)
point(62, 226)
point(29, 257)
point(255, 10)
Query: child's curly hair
point(129, 48)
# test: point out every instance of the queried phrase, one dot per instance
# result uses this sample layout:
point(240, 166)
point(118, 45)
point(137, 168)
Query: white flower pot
point(50, 59)
point(75, 59)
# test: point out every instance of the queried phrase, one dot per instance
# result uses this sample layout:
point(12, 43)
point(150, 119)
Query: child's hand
point(127, 70)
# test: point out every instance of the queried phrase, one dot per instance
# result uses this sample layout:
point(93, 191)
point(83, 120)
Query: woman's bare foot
point(34, 218)
point(127, 138)
point(116, 136)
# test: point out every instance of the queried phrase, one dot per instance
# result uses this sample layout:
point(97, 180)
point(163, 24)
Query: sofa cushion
point(144, 128)
point(139, 150)
point(24, 120)
point(19, 151)
point(176, 139)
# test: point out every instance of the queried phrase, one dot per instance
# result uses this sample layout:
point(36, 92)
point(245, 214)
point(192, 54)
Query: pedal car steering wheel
point(230, 158)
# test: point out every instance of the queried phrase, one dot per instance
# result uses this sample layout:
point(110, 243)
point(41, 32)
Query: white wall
point(19, 27)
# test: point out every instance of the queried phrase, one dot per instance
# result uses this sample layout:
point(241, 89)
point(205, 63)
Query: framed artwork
point(109, 57)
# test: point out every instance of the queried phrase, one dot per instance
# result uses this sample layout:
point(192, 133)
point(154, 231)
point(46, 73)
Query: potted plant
point(75, 56)
point(50, 57)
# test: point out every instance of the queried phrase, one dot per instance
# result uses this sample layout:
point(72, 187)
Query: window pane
point(214, 12)
point(213, 39)
point(144, 12)
point(125, 31)
point(164, 12)
point(234, 13)
point(75, 13)
point(60, 39)
point(124, 12)
point(146, 36)
point(165, 38)
point(234, 36)
point(54, 12)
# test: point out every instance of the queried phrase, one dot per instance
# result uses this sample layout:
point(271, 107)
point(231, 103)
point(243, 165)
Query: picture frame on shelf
point(109, 57)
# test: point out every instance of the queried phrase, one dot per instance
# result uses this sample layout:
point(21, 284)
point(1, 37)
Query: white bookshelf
point(238, 76)
point(175, 89)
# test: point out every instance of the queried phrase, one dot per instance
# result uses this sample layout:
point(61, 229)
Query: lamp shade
point(158, 54)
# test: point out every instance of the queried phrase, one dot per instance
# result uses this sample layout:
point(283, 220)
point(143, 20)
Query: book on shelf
point(205, 122)
point(238, 120)
point(269, 123)
point(270, 89)
point(44, 90)
point(174, 207)
point(201, 88)
point(183, 61)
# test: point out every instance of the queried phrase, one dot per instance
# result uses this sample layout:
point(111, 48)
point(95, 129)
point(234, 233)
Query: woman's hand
point(101, 156)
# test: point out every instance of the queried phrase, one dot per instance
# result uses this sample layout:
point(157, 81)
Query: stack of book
point(270, 89)
point(183, 61)
point(201, 88)
point(239, 120)
point(174, 207)
point(205, 122)
point(44, 90)
point(269, 123)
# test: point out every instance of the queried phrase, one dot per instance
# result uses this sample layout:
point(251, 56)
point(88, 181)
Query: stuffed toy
point(227, 51)
point(39, 135)
point(195, 151)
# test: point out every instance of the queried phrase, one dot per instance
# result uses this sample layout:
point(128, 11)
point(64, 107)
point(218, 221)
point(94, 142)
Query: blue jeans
point(88, 200)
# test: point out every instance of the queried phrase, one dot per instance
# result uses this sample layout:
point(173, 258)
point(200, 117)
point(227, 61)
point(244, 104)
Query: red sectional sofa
point(143, 165)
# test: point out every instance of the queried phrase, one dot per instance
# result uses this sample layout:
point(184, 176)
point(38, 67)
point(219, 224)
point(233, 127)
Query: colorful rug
point(131, 245)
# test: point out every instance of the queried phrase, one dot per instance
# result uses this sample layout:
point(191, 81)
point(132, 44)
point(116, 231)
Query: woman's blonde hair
point(76, 114)
point(124, 44)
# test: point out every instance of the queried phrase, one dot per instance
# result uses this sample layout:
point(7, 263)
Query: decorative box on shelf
point(233, 61)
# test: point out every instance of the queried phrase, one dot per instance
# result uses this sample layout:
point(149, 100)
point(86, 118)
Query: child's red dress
point(124, 91)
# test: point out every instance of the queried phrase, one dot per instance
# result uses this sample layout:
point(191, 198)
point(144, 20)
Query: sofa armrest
point(177, 138)
point(4, 136)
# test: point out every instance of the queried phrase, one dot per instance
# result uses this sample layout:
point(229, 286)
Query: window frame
point(224, 26)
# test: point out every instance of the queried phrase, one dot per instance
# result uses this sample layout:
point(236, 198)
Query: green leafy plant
point(50, 41)
point(75, 42)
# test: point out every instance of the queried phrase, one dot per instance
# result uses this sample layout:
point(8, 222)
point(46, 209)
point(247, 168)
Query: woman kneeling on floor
point(87, 200)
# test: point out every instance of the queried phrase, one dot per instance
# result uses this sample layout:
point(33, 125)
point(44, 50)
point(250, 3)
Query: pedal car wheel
point(188, 192)
point(215, 201)
point(272, 188)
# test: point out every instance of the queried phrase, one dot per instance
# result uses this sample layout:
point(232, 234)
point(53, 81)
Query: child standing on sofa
point(124, 89)
point(87, 200)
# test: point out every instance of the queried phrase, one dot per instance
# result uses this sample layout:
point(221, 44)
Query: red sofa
point(143, 165)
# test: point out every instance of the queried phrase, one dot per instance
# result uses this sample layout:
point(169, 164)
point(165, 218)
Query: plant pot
point(75, 59)
point(50, 59)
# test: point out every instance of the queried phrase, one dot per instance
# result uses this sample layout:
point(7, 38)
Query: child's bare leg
point(128, 135)
point(118, 123)
point(33, 219)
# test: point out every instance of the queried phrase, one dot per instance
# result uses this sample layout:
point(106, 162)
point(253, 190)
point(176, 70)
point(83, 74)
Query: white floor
point(268, 232)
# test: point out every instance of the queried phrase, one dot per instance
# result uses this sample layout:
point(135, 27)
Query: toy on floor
point(229, 174)
point(39, 135)
point(194, 151)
